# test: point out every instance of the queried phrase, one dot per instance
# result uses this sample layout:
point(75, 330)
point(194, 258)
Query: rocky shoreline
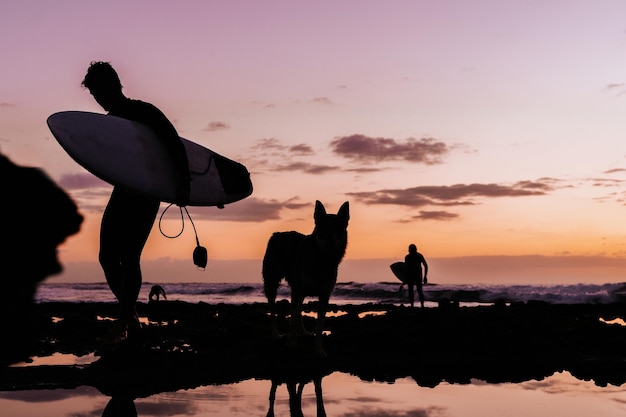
point(187, 345)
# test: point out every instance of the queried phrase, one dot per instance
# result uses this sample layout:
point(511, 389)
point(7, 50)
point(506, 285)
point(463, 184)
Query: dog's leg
point(295, 399)
point(319, 333)
point(271, 289)
point(270, 411)
point(321, 411)
point(300, 329)
point(295, 322)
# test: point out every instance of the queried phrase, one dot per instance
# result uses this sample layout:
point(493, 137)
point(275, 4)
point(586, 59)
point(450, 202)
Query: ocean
point(348, 293)
point(343, 394)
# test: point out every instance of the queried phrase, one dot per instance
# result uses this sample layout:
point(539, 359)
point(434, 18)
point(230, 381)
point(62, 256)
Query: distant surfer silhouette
point(130, 215)
point(414, 261)
point(39, 216)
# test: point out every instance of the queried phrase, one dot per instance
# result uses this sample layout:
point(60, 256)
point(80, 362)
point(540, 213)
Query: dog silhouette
point(309, 264)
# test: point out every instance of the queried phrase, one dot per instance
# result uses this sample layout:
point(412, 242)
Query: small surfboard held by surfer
point(129, 154)
point(399, 270)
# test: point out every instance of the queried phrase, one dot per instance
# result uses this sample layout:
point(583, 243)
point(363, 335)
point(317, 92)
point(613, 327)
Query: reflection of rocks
point(201, 344)
point(120, 407)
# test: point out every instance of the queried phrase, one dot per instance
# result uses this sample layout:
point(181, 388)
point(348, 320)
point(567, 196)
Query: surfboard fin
point(200, 256)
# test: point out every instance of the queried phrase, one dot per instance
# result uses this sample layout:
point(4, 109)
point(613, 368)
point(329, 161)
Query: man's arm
point(153, 117)
point(425, 269)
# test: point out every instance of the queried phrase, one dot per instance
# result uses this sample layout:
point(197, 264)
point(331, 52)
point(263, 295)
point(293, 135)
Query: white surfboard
point(128, 154)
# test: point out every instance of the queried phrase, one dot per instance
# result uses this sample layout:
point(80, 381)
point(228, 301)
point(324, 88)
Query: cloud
point(364, 170)
point(306, 168)
point(6, 104)
point(322, 100)
point(274, 145)
point(603, 182)
point(618, 89)
point(435, 215)
point(81, 181)
point(215, 126)
point(368, 149)
point(301, 149)
point(263, 105)
point(615, 171)
point(451, 195)
point(268, 144)
point(282, 157)
point(251, 209)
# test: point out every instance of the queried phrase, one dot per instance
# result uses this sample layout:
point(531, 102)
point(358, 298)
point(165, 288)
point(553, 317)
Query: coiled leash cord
point(200, 256)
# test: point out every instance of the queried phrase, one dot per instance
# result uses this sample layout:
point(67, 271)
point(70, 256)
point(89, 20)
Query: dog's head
point(331, 230)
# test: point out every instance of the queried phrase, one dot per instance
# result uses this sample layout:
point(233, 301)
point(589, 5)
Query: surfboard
point(129, 154)
point(399, 270)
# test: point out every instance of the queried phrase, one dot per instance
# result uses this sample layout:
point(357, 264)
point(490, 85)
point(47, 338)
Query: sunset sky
point(492, 134)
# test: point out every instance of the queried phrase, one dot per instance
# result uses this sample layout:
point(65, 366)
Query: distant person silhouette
point(38, 216)
point(414, 261)
point(129, 215)
point(156, 292)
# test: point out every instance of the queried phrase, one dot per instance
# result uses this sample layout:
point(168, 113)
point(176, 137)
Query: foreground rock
point(188, 345)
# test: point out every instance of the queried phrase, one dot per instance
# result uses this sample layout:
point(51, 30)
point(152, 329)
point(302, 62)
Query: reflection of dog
point(309, 264)
point(295, 397)
point(155, 292)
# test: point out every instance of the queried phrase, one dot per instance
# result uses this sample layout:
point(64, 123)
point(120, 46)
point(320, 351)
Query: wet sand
point(187, 345)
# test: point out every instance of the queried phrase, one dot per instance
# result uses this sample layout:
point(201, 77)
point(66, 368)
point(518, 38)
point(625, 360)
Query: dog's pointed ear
point(344, 212)
point(319, 210)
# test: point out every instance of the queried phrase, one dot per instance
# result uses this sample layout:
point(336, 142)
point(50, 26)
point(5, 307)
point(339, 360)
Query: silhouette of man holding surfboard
point(129, 215)
point(414, 261)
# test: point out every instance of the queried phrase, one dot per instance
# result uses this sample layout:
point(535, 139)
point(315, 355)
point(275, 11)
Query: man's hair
point(101, 73)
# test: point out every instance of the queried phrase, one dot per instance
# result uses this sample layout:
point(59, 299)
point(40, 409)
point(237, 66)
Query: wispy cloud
point(251, 209)
point(306, 168)
point(615, 171)
point(322, 100)
point(263, 105)
point(363, 148)
point(274, 145)
point(301, 149)
point(605, 182)
point(216, 126)
point(451, 195)
point(435, 215)
point(273, 155)
point(81, 181)
point(618, 89)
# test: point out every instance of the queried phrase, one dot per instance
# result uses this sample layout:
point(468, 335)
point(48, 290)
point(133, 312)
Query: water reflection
point(295, 388)
point(120, 406)
point(344, 395)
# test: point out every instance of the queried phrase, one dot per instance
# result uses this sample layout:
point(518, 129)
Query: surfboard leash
point(200, 255)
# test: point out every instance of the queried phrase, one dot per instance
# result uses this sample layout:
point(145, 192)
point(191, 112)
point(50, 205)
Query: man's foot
point(134, 324)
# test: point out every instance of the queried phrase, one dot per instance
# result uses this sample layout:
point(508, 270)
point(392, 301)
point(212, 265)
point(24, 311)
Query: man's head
point(412, 248)
point(103, 83)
